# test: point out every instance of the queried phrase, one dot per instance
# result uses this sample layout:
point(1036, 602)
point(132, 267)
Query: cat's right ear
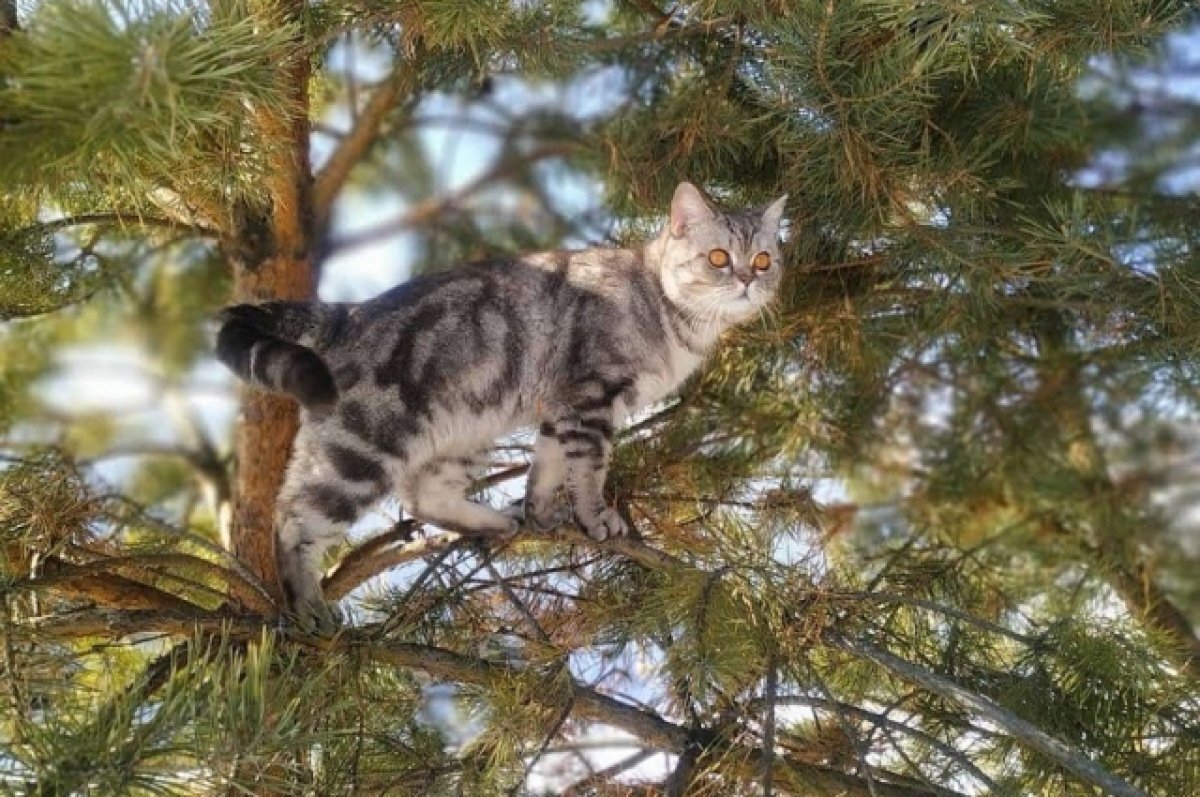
point(688, 206)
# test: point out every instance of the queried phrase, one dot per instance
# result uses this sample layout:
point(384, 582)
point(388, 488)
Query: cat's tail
point(275, 344)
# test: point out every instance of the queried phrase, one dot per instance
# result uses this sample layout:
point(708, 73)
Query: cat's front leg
point(586, 442)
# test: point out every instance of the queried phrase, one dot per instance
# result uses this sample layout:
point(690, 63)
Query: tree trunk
point(8, 17)
point(273, 263)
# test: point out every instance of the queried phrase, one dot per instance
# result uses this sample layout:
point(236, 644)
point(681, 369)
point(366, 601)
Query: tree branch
point(122, 220)
point(1020, 729)
point(96, 574)
point(884, 721)
point(354, 146)
point(369, 560)
point(600, 777)
point(650, 728)
point(107, 589)
point(1138, 590)
point(8, 18)
point(426, 210)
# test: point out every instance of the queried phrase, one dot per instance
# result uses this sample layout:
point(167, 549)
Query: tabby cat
point(403, 392)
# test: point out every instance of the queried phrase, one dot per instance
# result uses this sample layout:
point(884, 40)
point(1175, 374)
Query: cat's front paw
point(604, 525)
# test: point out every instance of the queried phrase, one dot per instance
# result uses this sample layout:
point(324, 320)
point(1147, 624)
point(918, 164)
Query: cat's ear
point(773, 214)
point(688, 206)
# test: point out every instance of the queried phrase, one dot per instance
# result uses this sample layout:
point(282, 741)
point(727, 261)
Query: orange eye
point(762, 261)
point(719, 258)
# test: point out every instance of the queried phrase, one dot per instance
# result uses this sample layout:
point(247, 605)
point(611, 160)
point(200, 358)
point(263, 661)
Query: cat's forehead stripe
point(742, 226)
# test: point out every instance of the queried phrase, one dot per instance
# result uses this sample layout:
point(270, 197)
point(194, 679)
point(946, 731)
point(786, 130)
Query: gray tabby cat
point(403, 392)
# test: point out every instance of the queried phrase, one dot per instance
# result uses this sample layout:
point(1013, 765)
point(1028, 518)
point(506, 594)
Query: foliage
point(926, 529)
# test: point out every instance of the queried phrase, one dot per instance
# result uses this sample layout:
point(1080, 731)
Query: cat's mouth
point(741, 305)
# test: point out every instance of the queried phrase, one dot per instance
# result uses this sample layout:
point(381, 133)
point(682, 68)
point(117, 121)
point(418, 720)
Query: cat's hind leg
point(436, 492)
point(546, 506)
point(330, 483)
point(585, 434)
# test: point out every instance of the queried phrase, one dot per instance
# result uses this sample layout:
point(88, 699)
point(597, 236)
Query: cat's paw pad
point(605, 525)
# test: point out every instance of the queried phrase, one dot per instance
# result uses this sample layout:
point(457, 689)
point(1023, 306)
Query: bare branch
point(353, 147)
point(884, 721)
point(602, 776)
point(1020, 729)
point(424, 211)
point(770, 695)
point(357, 568)
point(8, 18)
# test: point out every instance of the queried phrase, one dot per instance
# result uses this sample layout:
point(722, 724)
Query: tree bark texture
point(275, 264)
point(8, 17)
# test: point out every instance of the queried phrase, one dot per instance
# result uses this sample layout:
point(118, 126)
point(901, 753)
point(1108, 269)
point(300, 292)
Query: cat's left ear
point(688, 207)
point(773, 214)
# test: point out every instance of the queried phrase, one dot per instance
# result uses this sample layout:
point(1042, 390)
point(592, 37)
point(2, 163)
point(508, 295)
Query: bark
point(8, 17)
point(1137, 587)
point(272, 261)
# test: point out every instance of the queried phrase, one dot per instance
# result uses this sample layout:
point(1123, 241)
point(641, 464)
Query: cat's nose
point(746, 278)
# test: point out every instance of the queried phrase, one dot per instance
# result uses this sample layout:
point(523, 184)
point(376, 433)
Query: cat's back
point(524, 283)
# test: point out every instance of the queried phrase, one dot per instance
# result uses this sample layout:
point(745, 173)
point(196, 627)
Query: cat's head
point(717, 264)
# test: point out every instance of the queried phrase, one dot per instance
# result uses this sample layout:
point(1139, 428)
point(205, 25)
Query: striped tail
point(260, 344)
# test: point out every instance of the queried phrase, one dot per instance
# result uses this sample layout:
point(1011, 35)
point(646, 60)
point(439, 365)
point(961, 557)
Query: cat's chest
point(654, 384)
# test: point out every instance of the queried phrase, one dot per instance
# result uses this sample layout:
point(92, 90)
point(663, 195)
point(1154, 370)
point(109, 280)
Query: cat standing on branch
point(404, 392)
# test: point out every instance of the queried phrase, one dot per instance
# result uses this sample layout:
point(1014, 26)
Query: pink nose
point(746, 278)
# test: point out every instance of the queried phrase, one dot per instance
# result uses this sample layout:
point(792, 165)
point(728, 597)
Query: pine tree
point(924, 531)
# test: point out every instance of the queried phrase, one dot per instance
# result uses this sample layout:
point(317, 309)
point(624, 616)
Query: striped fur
point(257, 342)
point(404, 391)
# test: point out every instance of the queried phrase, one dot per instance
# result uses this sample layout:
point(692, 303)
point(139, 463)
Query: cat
point(402, 393)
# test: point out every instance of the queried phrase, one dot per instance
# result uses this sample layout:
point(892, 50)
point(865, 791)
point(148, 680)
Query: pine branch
point(1022, 730)
point(884, 721)
point(369, 560)
point(660, 32)
point(354, 146)
point(1137, 588)
point(1063, 386)
point(650, 728)
point(117, 624)
point(600, 777)
point(112, 590)
point(122, 220)
point(107, 589)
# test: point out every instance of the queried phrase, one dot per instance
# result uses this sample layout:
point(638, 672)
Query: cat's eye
point(719, 258)
point(762, 261)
